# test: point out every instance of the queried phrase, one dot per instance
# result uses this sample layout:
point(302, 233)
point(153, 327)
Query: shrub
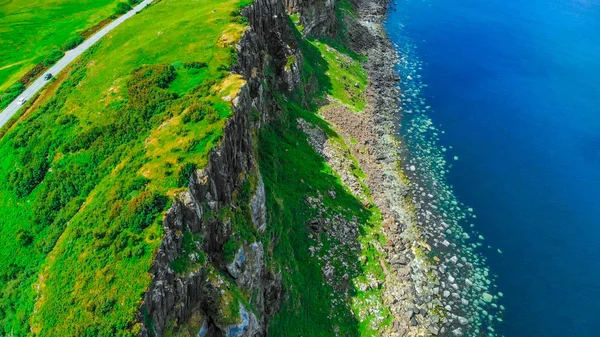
point(24, 237)
point(66, 119)
point(139, 183)
point(10, 94)
point(230, 248)
point(84, 140)
point(183, 177)
point(122, 8)
point(212, 116)
point(143, 209)
point(73, 42)
point(56, 55)
point(26, 179)
point(196, 112)
point(147, 97)
point(195, 65)
point(237, 17)
point(203, 89)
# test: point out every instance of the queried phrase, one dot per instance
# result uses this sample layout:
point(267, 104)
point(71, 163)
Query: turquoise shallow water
point(515, 85)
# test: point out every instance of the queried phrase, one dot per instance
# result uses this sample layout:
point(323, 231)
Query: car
point(47, 76)
point(21, 101)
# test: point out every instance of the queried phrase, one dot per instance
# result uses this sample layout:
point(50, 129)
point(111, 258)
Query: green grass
point(332, 71)
point(84, 179)
point(31, 30)
point(292, 171)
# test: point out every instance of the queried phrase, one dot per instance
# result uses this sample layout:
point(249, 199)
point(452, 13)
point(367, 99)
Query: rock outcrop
point(176, 297)
point(317, 16)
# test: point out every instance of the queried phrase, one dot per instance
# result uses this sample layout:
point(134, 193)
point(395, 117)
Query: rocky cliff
point(317, 16)
point(197, 297)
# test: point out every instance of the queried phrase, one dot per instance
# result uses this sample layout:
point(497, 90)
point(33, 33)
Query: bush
point(212, 116)
point(26, 179)
point(24, 237)
point(196, 112)
point(195, 65)
point(138, 183)
point(146, 90)
point(230, 248)
point(183, 177)
point(66, 119)
point(56, 55)
point(122, 8)
point(73, 42)
point(84, 140)
point(203, 89)
point(143, 209)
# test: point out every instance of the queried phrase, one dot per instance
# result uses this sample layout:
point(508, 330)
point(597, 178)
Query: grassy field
point(85, 178)
point(31, 30)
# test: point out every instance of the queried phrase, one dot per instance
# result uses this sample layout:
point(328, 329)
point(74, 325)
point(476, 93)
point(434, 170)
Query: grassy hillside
point(349, 305)
point(84, 179)
point(31, 30)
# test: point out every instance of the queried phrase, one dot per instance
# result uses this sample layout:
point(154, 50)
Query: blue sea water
point(515, 85)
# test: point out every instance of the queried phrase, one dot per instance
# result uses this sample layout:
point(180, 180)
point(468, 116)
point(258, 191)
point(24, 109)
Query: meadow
point(30, 31)
point(85, 178)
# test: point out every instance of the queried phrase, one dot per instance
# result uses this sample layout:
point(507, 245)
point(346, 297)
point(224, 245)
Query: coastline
point(377, 152)
point(439, 283)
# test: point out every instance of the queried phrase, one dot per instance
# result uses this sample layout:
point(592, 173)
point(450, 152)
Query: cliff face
point(175, 297)
point(198, 299)
point(318, 16)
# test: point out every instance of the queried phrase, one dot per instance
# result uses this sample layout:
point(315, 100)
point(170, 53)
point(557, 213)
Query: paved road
point(70, 55)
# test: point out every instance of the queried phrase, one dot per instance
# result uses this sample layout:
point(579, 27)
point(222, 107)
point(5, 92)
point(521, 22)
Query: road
point(69, 57)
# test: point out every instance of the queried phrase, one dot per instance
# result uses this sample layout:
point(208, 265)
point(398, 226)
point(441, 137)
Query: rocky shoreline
point(378, 154)
point(444, 282)
point(437, 284)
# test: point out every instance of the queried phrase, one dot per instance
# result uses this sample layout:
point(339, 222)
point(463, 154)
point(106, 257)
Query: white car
point(21, 101)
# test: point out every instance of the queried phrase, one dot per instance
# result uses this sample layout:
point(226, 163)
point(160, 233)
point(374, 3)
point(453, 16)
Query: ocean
point(512, 89)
